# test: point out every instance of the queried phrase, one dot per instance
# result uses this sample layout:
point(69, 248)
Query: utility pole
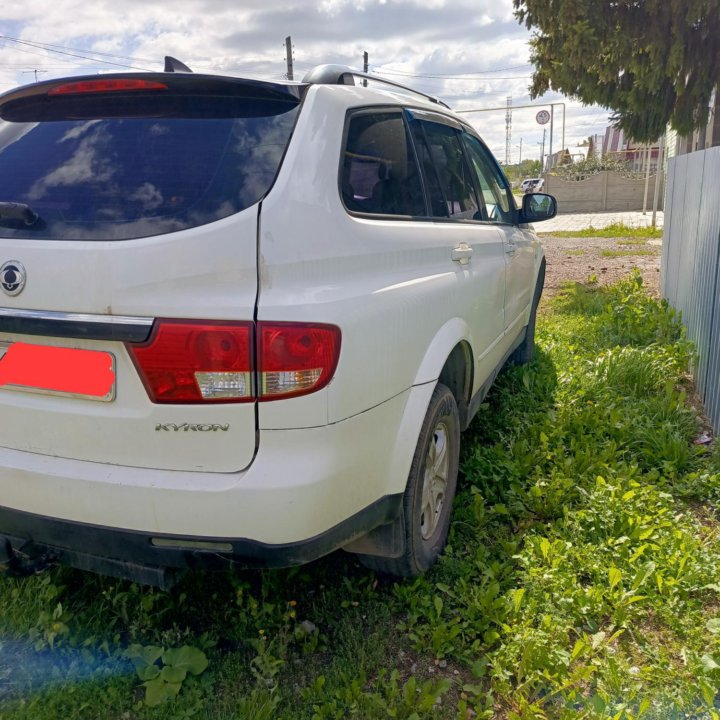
point(520, 159)
point(531, 105)
point(36, 71)
point(508, 131)
point(659, 174)
point(647, 177)
point(288, 57)
point(365, 67)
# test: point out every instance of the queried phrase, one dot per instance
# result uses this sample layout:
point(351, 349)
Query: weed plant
point(581, 578)
point(616, 230)
point(633, 241)
point(627, 253)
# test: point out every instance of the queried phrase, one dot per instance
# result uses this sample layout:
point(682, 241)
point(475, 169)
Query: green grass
point(626, 253)
point(618, 230)
point(576, 252)
point(636, 241)
point(581, 579)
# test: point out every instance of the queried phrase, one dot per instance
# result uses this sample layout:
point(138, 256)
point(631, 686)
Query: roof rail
point(343, 75)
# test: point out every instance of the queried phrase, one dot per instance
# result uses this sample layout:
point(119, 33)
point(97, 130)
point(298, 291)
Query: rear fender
point(452, 333)
point(388, 540)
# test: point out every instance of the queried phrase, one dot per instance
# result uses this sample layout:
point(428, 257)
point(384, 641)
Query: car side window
point(379, 173)
point(499, 202)
point(436, 196)
point(445, 156)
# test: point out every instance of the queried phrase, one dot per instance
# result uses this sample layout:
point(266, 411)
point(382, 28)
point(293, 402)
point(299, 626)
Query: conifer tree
point(652, 62)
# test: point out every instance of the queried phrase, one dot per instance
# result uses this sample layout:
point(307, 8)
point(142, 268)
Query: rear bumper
point(28, 541)
point(308, 492)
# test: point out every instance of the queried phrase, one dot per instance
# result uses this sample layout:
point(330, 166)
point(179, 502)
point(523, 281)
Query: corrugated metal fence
point(691, 262)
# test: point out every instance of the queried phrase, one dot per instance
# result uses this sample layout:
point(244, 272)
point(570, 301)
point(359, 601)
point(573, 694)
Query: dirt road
point(576, 259)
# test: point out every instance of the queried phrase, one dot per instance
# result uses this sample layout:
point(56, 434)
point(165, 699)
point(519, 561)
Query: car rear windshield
point(115, 172)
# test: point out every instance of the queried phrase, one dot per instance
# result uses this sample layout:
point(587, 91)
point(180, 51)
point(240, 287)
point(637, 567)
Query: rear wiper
point(19, 212)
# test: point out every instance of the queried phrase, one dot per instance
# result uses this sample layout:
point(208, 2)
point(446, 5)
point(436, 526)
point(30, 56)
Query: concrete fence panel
point(577, 196)
point(602, 192)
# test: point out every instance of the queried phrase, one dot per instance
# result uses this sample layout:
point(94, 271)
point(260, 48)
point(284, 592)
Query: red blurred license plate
point(62, 371)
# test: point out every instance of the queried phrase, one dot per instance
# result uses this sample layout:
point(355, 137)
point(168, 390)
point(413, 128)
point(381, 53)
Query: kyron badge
point(12, 277)
point(174, 427)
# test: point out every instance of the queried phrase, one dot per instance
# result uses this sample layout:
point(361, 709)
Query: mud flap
point(386, 540)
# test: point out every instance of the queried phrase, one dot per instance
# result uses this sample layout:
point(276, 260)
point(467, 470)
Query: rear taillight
point(296, 358)
point(188, 362)
point(199, 362)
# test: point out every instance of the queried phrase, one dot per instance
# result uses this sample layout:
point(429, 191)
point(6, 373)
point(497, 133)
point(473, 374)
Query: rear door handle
point(462, 254)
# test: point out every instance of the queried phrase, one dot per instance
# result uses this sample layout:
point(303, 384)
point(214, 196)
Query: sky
point(469, 53)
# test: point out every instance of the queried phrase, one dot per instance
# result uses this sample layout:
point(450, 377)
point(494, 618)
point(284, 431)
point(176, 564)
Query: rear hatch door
point(128, 265)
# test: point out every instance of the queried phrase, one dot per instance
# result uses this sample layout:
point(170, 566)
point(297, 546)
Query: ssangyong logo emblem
point(12, 277)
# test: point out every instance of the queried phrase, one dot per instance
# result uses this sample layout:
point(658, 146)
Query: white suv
point(532, 185)
point(243, 322)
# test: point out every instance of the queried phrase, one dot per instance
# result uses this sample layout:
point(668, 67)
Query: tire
point(430, 491)
point(525, 352)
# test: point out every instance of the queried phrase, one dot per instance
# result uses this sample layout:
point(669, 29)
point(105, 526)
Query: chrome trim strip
point(120, 328)
point(75, 317)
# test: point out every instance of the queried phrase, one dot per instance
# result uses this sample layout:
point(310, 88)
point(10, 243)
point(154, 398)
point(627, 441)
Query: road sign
point(543, 117)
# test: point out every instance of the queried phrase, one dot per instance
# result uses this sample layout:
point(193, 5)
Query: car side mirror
point(537, 207)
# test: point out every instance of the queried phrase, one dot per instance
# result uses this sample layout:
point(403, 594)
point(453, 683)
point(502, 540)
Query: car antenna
point(174, 65)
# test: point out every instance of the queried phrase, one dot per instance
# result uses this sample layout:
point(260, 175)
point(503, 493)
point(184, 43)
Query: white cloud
point(405, 38)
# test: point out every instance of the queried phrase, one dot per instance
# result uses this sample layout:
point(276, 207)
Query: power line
point(454, 77)
point(43, 45)
point(31, 52)
point(47, 67)
point(39, 46)
point(449, 76)
point(69, 65)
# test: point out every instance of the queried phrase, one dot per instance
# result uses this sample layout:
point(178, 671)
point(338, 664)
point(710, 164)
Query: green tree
point(650, 61)
point(527, 168)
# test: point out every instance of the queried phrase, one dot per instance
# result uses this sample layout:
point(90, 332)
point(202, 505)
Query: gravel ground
point(575, 259)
